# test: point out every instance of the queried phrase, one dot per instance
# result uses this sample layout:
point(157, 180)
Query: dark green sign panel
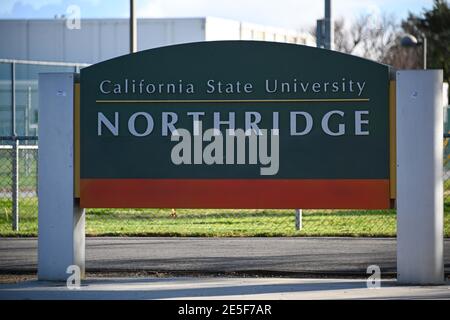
point(329, 112)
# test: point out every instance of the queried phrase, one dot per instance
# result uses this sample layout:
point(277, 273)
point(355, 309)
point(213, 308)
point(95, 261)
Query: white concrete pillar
point(61, 240)
point(420, 197)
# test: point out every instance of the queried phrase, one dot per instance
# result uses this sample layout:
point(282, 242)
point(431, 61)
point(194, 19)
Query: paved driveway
point(333, 256)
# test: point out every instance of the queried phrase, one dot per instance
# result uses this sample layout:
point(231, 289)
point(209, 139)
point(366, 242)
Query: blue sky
point(292, 14)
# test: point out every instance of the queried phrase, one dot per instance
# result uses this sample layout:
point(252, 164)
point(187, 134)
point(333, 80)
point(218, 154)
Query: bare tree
point(341, 42)
point(369, 36)
point(404, 58)
point(377, 38)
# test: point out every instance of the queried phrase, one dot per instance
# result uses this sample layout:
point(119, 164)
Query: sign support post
point(420, 177)
point(61, 241)
point(298, 219)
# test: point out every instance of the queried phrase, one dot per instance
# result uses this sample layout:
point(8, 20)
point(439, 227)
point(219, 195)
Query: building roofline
point(45, 63)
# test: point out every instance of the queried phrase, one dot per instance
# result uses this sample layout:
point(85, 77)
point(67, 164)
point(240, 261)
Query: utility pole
point(325, 29)
point(133, 28)
point(424, 43)
point(329, 26)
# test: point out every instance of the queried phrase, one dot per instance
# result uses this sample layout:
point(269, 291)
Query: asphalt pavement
point(186, 256)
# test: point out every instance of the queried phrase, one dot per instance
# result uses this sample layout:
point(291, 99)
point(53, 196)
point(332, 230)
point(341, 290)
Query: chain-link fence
point(18, 198)
point(18, 186)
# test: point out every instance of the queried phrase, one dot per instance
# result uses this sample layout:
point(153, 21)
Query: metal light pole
point(133, 28)
point(424, 41)
point(410, 41)
point(325, 29)
point(329, 26)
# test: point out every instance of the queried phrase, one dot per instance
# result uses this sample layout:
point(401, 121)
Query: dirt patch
point(16, 278)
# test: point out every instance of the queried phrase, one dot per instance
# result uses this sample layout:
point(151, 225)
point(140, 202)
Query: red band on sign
point(235, 193)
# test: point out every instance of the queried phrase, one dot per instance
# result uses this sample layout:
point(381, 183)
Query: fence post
point(15, 185)
point(15, 154)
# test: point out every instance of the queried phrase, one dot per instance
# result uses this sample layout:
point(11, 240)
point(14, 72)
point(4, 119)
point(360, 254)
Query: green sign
point(295, 126)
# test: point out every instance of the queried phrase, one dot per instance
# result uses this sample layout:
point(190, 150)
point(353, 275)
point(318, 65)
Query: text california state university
point(270, 86)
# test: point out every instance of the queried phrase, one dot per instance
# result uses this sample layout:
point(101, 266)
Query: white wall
point(102, 39)
point(224, 29)
point(97, 40)
point(162, 32)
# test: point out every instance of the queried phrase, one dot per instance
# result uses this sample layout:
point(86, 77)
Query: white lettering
point(166, 124)
point(132, 124)
point(113, 128)
point(359, 122)
point(308, 126)
point(325, 123)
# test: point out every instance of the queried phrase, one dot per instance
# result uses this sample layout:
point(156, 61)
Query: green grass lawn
point(217, 222)
point(201, 222)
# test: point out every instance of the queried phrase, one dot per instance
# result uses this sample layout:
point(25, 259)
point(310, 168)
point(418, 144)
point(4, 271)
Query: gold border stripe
point(76, 136)
point(233, 101)
point(392, 140)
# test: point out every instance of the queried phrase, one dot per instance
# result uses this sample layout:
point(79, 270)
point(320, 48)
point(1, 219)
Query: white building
point(102, 39)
